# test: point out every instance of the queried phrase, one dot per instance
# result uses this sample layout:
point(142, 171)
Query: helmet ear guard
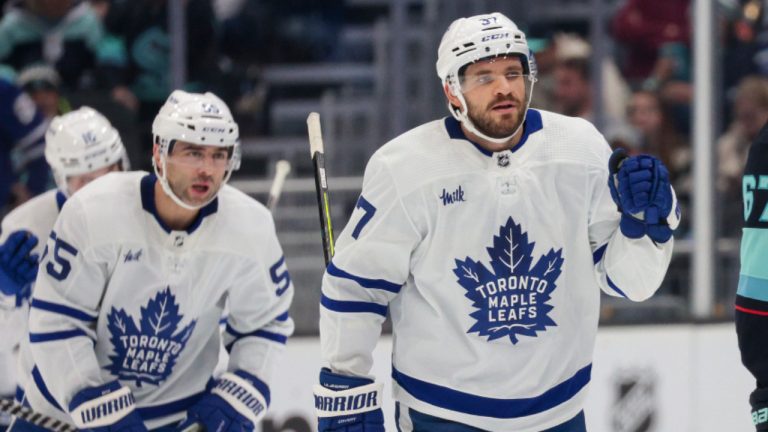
point(80, 142)
point(477, 38)
point(194, 118)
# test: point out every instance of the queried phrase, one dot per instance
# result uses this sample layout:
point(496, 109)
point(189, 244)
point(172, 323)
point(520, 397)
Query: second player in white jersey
point(80, 146)
point(124, 325)
point(36, 217)
point(487, 240)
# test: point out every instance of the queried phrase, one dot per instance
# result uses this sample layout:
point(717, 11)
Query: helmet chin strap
point(167, 187)
point(463, 116)
point(61, 182)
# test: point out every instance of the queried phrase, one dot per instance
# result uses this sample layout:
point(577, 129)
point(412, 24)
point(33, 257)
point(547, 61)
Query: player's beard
point(485, 121)
point(181, 187)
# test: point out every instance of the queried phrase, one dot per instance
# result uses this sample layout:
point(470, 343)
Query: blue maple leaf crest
point(510, 298)
point(147, 353)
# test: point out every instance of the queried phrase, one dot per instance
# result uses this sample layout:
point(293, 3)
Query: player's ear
point(156, 155)
point(450, 96)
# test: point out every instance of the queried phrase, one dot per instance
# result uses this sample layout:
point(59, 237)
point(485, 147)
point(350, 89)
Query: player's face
point(75, 183)
point(195, 172)
point(495, 92)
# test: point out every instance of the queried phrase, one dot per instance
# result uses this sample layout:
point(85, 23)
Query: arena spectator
point(643, 27)
point(68, 35)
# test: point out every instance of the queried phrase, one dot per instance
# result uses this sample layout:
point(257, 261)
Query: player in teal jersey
point(752, 295)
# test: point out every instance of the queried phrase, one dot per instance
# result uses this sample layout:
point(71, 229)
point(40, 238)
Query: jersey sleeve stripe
point(467, 403)
point(751, 303)
point(597, 255)
point(38, 379)
point(753, 287)
point(364, 282)
point(283, 317)
point(54, 336)
point(751, 311)
point(352, 306)
point(274, 337)
point(614, 287)
point(62, 310)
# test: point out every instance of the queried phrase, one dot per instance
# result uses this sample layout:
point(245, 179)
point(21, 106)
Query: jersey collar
point(148, 203)
point(531, 125)
point(60, 199)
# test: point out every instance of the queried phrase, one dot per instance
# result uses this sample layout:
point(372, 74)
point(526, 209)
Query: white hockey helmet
point(80, 142)
point(476, 38)
point(195, 118)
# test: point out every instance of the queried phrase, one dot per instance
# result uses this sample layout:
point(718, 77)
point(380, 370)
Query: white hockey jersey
point(489, 265)
point(36, 216)
point(121, 296)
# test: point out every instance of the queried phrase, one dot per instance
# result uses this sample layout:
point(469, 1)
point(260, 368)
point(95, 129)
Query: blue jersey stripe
point(53, 336)
point(364, 282)
point(353, 306)
point(467, 403)
point(274, 337)
point(597, 255)
point(170, 408)
point(60, 199)
point(62, 310)
point(38, 379)
point(753, 287)
point(614, 287)
point(19, 395)
point(283, 317)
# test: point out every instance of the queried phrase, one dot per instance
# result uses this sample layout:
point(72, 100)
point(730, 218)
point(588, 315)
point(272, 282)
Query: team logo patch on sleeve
point(147, 353)
point(511, 297)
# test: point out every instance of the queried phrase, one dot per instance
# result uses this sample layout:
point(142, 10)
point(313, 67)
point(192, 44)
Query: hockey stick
point(321, 184)
point(282, 169)
point(10, 407)
point(23, 413)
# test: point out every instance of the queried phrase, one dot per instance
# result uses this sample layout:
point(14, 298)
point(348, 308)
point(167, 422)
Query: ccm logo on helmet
point(494, 37)
point(214, 129)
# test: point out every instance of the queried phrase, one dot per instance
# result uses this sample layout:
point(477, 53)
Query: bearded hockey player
point(124, 325)
point(487, 237)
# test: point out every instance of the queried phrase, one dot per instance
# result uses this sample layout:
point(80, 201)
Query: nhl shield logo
point(510, 298)
point(147, 353)
point(634, 408)
point(502, 160)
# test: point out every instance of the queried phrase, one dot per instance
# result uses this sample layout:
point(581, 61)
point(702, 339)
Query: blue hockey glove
point(235, 403)
point(18, 268)
point(640, 188)
point(348, 404)
point(759, 401)
point(106, 408)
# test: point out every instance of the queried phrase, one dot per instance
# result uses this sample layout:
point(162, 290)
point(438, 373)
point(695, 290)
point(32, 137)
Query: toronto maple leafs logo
point(148, 353)
point(511, 297)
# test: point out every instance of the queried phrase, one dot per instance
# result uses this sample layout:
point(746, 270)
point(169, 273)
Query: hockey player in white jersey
point(487, 237)
point(124, 321)
point(79, 147)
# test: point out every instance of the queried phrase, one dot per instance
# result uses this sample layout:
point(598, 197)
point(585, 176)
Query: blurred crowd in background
point(114, 55)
